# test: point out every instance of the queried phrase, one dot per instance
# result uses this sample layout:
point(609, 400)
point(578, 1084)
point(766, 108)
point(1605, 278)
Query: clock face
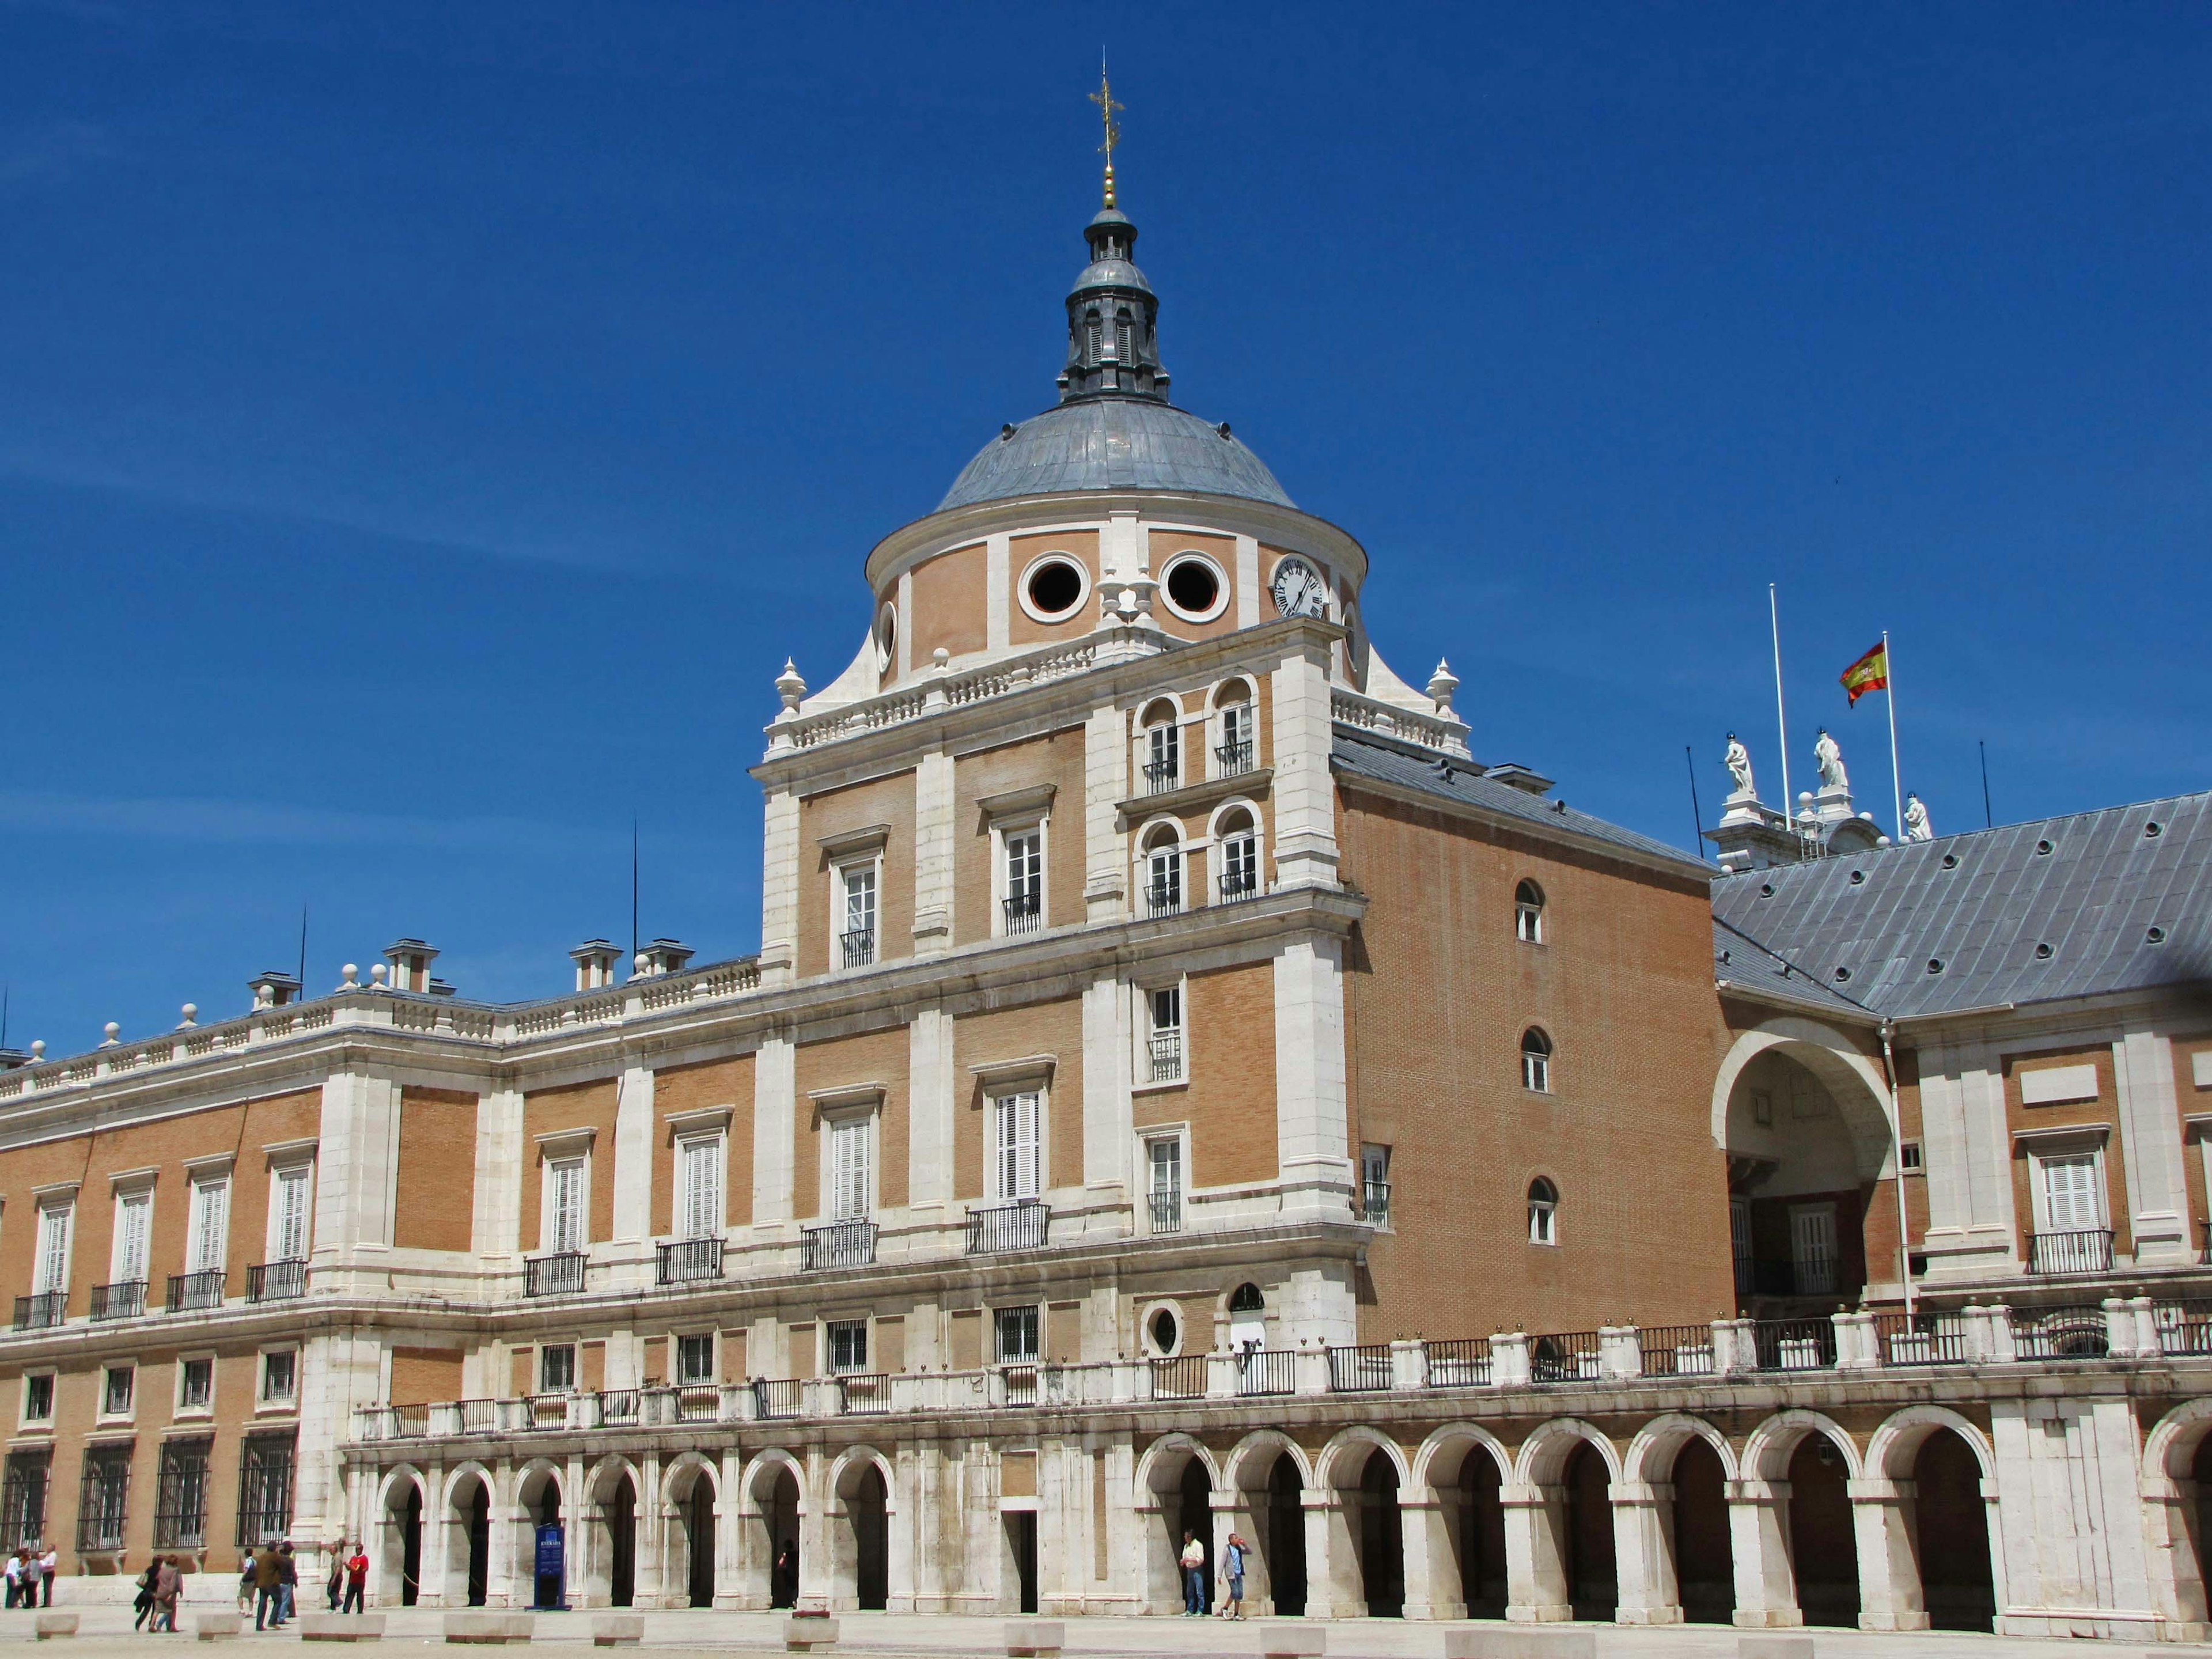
point(1298, 591)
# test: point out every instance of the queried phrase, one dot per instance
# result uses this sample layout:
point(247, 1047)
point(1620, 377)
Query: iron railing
point(2087, 1251)
point(189, 1292)
point(264, 1487)
point(837, 1244)
point(1459, 1362)
point(479, 1416)
point(1166, 1048)
point(406, 1422)
point(687, 1260)
point(857, 946)
point(277, 1281)
point(1162, 899)
point(1019, 1383)
point(618, 1408)
point(1162, 776)
point(103, 1498)
point(864, 1391)
point(698, 1402)
point(1562, 1357)
point(1017, 1226)
point(548, 1410)
point(1241, 881)
point(1023, 912)
point(2184, 1327)
point(1676, 1350)
point(1264, 1372)
point(42, 1311)
point(1793, 1345)
point(1920, 1339)
point(1232, 759)
point(1361, 1370)
point(1167, 1211)
point(123, 1299)
point(561, 1273)
point(1182, 1377)
point(1374, 1201)
point(2076, 1332)
point(777, 1397)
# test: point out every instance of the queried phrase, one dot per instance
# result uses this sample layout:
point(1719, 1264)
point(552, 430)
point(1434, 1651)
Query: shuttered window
point(132, 1211)
point(53, 1246)
point(702, 1188)
point(210, 1224)
point(2071, 1203)
point(1014, 1137)
point(291, 1215)
point(849, 1180)
point(566, 1233)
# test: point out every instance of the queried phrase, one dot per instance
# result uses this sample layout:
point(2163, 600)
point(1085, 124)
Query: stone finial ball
point(113, 1029)
point(191, 1011)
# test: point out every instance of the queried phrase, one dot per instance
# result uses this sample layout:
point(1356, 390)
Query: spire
point(1113, 347)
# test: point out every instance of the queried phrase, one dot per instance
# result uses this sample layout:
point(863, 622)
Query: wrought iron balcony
point(277, 1281)
point(1025, 913)
point(1359, 1369)
point(1239, 883)
point(1162, 899)
point(837, 1244)
point(1162, 776)
point(559, 1274)
point(1017, 1226)
point(1167, 1056)
point(778, 1397)
point(1233, 758)
point(688, 1261)
point(1182, 1377)
point(1262, 1371)
point(1167, 1213)
point(41, 1312)
point(2089, 1251)
point(857, 947)
point(123, 1299)
point(190, 1292)
point(1374, 1201)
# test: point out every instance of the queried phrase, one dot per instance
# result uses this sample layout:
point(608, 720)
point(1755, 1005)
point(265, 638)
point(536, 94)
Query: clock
point(1299, 590)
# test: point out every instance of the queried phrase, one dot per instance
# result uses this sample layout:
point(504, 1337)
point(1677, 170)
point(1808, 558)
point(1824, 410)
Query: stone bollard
point(1509, 1643)
point(478, 1629)
point(1774, 1647)
point(1292, 1638)
point(809, 1632)
point(1033, 1638)
point(341, 1627)
point(215, 1626)
point(51, 1625)
point(617, 1630)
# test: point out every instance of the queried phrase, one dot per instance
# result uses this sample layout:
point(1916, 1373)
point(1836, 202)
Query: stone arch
point(771, 1511)
point(465, 1510)
point(1890, 1448)
point(1360, 1474)
point(1930, 1494)
point(1821, 1050)
point(1174, 1474)
point(2178, 1510)
point(402, 1499)
point(1236, 688)
point(1815, 1541)
point(1339, 1465)
point(1677, 1532)
point(1246, 1464)
point(861, 1503)
point(1265, 1475)
point(1160, 1466)
point(1650, 1454)
point(1437, 1460)
point(1457, 1536)
point(1766, 1454)
point(540, 1489)
point(607, 1516)
point(1545, 1452)
point(690, 1508)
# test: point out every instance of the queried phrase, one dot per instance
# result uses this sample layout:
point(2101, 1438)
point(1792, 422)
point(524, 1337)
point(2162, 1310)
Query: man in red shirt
point(357, 1569)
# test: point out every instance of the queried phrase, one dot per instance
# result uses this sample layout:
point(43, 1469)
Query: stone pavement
point(888, 1635)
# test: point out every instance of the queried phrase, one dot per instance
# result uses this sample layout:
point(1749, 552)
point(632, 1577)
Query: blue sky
point(424, 430)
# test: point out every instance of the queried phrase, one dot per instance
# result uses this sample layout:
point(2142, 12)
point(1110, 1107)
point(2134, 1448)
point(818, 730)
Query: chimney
point(411, 961)
point(596, 961)
point(274, 988)
point(663, 956)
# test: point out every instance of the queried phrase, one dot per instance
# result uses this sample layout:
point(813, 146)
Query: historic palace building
point(1182, 1087)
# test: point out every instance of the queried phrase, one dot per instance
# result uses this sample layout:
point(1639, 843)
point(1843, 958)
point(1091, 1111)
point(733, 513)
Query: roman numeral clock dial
point(1298, 591)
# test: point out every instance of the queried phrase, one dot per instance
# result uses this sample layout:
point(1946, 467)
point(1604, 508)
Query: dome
point(1113, 443)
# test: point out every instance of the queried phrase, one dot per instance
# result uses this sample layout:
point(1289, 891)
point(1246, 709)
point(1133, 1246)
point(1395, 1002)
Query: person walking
point(1232, 1575)
point(49, 1567)
point(267, 1602)
point(143, 1603)
point(34, 1569)
point(1194, 1575)
point(14, 1576)
point(357, 1571)
point(336, 1586)
point(288, 1582)
point(167, 1588)
point(245, 1585)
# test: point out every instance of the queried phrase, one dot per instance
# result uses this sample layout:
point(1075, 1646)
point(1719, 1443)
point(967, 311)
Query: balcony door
point(1813, 1248)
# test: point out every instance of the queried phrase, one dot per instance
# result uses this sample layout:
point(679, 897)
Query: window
point(1908, 1156)
point(695, 1357)
point(102, 1498)
point(848, 1346)
point(851, 1191)
point(279, 1376)
point(23, 1499)
point(2072, 1202)
point(39, 1397)
point(1162, 750)
point(1164, 873)
point(1240, 856)
point(210, 1228)
point(1016, 1330)
point(1528, 913)
point(133, 1211)
point(1234, 754)
point(115, 1390)
point(1164, 1331)
point(1536, 1062)
point(1163, 1166)
point(1052, 588)
point(1014, 1146)
point(1375, 1183)
point(180, 1500)
point(1164, 1033)
point(1813, 1248)
point(195, 1384)
point(702, 1187)
point(556, 1368)
point(1543, 1211)
point(265, 1488)
point(53, 1248)
point(1024, 866)
point(1195, 588)
point(564, 1225)
point(289, 1222)
point(856, 938)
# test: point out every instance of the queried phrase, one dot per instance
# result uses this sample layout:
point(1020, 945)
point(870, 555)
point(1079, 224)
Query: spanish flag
point(1869, 673)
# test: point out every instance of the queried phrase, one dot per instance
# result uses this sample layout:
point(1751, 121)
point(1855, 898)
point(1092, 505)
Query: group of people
point(30, 1575)
point(267, 1585)
point(160, 1587)
point(1232, 1575)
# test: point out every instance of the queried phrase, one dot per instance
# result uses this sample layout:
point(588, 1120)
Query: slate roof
point(1463, 781)
point(2078, 906)
point(1113, 443)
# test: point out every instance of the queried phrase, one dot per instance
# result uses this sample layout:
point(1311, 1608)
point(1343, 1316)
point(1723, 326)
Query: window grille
point(180, 1500)
point(265, 1488)
point(23, 1498)
point(1016, 1333)
point(280, 1375)
point(103, 1498)
point(695, 1357)
point(848, 1346)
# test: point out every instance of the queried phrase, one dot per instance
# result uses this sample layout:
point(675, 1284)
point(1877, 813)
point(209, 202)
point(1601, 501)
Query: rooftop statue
point(1738, 761)
point(1917, 827)
point(1830, 761)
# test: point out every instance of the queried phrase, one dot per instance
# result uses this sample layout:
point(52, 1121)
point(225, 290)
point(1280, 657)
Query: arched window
point(1163, 872)
point(1528, 913)
point(1240, 855)
point(1535, 1061)
point(1163, 748)
point(1233, 755)
point(1543, 1211)
point(1246, 1298)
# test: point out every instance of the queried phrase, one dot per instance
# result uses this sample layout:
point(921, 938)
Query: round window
point(1164, 1331)
point(1052, 588)
point(886, 638)
point(1195, 588)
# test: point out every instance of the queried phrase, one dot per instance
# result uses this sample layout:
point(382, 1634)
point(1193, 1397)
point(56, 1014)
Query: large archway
point(468, 1540)
point(1194, 1520)
point(542, 1539)
point(862, 1540)
point(400, 1545)
point(689, 1488)
point(1361, 1474)
point(1382, 1539)
point(1592, 1570)
point(1952, 1522)
point(1266, 1474)
point(1455, 1550)
point(1284, 1550)
point(1823, 1554)
point(1803, 1118)
point(1175, 1493)
point(765, 1541)
point(1705, 1559)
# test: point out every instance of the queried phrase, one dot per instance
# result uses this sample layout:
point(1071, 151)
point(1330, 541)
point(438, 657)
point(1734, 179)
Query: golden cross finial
point(1107, 109)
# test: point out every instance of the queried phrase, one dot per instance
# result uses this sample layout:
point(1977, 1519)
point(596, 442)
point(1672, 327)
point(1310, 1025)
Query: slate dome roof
point(1113, 443)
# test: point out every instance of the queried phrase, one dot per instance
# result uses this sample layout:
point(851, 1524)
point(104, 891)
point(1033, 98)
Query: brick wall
point(678, 1089)
point(872, 1057)
point(437, 1171)
point(887, 801)
point(551, 1111)
point(1055, 759)
point(1045, 1028)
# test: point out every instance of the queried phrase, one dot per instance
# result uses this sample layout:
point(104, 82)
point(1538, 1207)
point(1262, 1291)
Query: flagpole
point(1781, 722)
point(1896, 786)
